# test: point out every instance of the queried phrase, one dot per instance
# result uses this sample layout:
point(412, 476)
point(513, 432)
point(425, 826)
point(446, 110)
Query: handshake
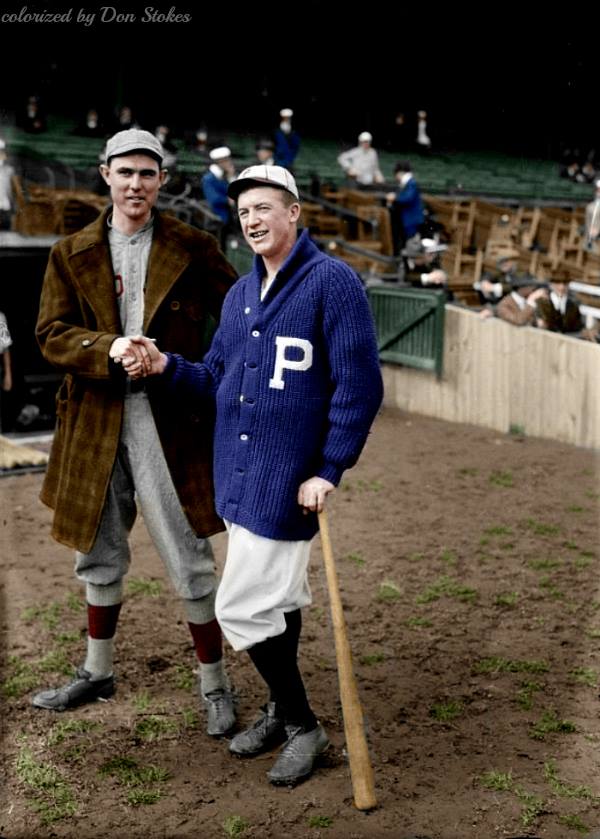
point(138, 355)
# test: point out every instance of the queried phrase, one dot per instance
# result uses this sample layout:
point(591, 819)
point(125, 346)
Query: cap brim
point(236, 187)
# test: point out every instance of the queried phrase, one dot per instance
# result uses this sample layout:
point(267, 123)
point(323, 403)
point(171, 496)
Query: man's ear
point(295, 210)
point(104, 170)
point(164, 176)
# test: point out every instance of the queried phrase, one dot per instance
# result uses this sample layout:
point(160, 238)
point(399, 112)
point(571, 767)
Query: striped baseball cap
point(262, 175)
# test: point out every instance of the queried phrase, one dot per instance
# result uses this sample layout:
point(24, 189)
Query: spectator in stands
point(264, 152)
point(163, 135)
point(7, 174)
point(287, 141)
point(519, 307)
point(422, 266)
point(34, 120)
point(423, 139)
point(6, 384)
point(214, 186)
point(406, 206)
point(592, 219)
point(494, 285)
point(90, 125)
point(361, 163)
point(125, 119)
point(559, 311)
point(198, 143)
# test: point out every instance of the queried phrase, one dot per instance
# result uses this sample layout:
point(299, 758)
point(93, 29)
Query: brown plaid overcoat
point(188, 277)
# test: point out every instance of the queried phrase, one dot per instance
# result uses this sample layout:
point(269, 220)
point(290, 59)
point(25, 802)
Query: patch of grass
point(65, 639)
point(154, 727)
point(548, 584)
point(582, 562)
point(574, 822)
point(317, 612)
point(373, 658)
point(416, 622)
point(53, 798)
point(185, 678)
point(56, 661)
point(550, 724)
point(590, 493)
point(449, 557)
point(388, 591)
point(74, 603)
point(235, 826)
point(356, 559)
point(130, 773)
point(576, 508)
point(562, 789)
point(320, 821)
point(446, 711)
point(147, 588)
point(508, 598)
point(141, 701)
point(542, 529)
point(496, 664)
point(48, 615)
point(585, 676)
point(63, 730)
point(533, 807)
point(416, 557)
point(501, 479)
point(516, 430)
point(544, 564)
point(190, 718)
point(21, 680)
point(142, 796)
point(498, 781)
point(447, 587)
point(525, 694)
point(498, 530)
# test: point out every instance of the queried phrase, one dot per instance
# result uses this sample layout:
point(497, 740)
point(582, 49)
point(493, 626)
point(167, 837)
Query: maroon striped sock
point(208, 641)
point(102, 620)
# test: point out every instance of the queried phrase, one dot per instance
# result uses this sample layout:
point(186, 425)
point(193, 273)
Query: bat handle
point(361, 771)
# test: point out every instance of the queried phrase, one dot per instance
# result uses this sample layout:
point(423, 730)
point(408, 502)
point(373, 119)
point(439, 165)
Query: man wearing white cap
point(295, 372)
point(287, 141)
point(133, 271)
point(361, 163)
point(214, 186)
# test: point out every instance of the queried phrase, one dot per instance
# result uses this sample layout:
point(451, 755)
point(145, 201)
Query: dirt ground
point(468, 565)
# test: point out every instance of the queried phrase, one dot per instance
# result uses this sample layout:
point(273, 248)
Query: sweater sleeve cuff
point(332, 473)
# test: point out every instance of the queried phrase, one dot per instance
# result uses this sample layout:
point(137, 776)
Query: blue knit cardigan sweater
point(297, 383)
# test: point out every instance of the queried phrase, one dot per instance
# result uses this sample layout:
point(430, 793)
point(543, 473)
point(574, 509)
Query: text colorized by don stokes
point(104, 14)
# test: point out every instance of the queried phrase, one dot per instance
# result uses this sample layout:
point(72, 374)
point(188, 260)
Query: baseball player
point(133, 270)
point(295, 372)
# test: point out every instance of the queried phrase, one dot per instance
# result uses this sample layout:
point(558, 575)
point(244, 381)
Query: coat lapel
point(92, 272)
point(168, 260)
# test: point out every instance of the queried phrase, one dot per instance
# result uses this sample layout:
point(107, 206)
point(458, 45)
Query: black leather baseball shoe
point(297, 758)
point(268, 731)
point(81, 690)
point(220, 712)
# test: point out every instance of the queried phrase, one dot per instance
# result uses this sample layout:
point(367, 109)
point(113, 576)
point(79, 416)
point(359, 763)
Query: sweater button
point(247, 310)
point(243, 437)
point(255, 333)
point(86, 342)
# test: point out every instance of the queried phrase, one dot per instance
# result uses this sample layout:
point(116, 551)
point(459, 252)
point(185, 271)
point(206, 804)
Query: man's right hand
point(155, 361)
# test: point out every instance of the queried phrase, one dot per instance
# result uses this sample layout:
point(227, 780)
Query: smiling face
point(268, 218)
point(134, 182)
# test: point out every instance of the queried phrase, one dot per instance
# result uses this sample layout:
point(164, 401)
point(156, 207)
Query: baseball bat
point(361, 771)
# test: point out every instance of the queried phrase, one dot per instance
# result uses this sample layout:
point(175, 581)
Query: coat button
point(86, 342)
point(175, 305)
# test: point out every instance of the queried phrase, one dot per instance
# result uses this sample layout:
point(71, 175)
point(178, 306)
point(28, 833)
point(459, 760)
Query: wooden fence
point(506, 377)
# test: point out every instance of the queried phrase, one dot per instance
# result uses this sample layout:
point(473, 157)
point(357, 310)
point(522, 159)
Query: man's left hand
point(312, 493)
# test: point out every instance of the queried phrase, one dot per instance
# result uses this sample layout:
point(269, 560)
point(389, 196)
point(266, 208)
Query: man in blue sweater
point(295, 373)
